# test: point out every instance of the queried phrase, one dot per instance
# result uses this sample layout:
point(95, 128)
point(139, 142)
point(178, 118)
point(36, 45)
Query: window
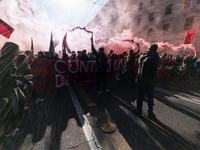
point(149, 33)
point(140, 6)
point(138, 21)
point(151, 16)
point(168, 9)
point(165, 28)
point(188, 23)
point(152, 1)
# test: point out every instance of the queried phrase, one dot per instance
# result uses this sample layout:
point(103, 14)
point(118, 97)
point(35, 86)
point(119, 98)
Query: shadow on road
point(56, 110)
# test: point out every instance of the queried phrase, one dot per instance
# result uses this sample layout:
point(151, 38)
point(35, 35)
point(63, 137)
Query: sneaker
point(38, 100)
point(17, 131)
point(151, 115)
point(99, 92)
point(139, 114)
point(107, 90)
point(26, 107)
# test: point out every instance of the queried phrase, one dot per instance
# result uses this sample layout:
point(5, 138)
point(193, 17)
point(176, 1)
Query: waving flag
point(51, 47)
point(65, 45)
point(5, 29)
point(188, 37)
point(32, 49)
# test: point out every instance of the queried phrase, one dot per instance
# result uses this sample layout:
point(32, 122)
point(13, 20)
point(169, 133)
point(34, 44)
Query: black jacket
point(84, 57)
point(101, 61)
point(147, 81)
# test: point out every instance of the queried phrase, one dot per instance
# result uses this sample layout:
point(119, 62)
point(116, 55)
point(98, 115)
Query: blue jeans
point(150, 94)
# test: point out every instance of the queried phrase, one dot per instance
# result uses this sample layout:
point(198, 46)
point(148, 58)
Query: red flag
point(188, 37)
point(64, 44)
point(5, 29)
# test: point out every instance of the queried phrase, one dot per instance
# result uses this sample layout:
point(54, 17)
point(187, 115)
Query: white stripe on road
point(87, 129)
point(195, 101)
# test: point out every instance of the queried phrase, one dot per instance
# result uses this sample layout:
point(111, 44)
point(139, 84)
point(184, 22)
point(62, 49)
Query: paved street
point(64, 121)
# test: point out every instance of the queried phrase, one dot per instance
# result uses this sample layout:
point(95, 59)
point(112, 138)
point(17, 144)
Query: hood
point(8, 50)
point(151, 53)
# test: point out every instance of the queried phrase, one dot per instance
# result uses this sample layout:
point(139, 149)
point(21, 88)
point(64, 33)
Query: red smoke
point(162, 45)
point(81, 28)
point(118, 45)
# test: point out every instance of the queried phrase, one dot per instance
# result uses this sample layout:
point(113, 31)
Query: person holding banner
point(101, 66)
point(84, 56)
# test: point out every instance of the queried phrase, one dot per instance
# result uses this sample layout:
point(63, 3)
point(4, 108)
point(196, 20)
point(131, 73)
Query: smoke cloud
point(110, 32)
point(55, 16)
point(19, 15)
point(119, 20)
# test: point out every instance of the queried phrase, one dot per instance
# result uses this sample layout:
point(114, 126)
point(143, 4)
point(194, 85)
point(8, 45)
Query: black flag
point(51, 47)
point(32, 49)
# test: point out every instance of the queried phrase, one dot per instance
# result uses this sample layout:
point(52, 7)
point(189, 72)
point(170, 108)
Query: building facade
point(152, 20)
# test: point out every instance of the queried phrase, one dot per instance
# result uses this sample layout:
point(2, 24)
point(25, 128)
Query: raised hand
point(137, 44)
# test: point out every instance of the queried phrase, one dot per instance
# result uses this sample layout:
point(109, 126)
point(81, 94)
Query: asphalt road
point(64, 121)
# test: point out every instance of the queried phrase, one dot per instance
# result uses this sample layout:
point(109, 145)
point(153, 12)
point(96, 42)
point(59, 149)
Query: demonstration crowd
point(180, 66)
point(15, 72)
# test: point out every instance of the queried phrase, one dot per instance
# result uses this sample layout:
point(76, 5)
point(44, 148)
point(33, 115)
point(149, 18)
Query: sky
point(59, 15)
point(66, 13)
point(38, 18)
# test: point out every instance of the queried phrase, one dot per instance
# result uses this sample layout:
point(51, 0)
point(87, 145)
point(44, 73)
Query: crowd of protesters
point(14, 66)
point(180, 66)
point(183, 67)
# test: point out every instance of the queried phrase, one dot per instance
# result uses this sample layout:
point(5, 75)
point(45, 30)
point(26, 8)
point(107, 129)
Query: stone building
point(152, 20)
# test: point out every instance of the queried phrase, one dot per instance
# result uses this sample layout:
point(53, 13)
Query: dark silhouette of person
point(84, 56)
point(13, 111)
point(148, 64)
point(101, 66)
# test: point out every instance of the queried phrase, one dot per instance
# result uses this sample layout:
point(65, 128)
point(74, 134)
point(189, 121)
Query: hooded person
point(11, 97)
point(7, 65)
point(148, 64)
point(101, 66)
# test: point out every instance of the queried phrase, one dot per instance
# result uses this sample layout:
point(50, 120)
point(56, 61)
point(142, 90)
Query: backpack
point(149, 67)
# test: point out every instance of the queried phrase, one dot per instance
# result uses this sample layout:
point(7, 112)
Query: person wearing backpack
point(148, 63)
